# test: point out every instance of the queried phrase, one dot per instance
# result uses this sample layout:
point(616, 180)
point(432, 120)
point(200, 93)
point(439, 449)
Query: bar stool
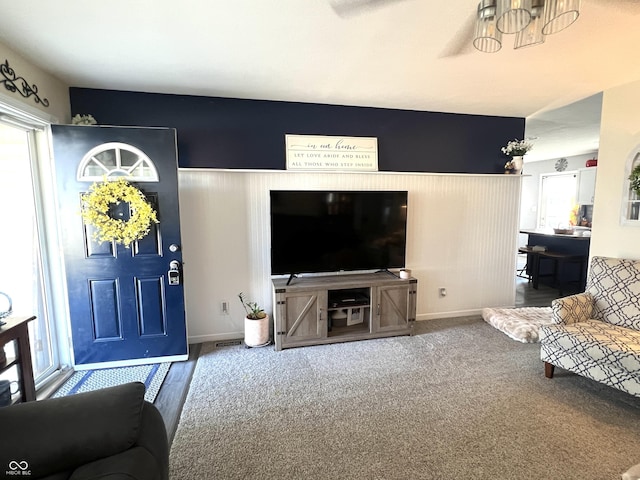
point(560, 262)
point(530, 269)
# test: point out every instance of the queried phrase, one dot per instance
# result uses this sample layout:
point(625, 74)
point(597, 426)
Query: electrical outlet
point(224, 307)
point(443, 292)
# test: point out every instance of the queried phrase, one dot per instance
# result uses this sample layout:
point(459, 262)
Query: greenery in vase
point(254, 312)
point(634, 180)
point(83, 120)
point(517, 148)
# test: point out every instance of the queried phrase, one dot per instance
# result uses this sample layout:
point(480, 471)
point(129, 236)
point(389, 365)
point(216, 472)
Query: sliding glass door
point(22, 263)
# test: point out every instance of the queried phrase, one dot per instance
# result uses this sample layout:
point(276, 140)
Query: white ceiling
point(408, 54)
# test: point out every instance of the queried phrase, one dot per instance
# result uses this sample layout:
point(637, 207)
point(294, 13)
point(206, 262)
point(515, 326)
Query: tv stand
point(386, 270)
point(341, 308)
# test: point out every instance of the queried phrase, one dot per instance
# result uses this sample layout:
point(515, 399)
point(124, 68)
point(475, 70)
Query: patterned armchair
point(596, 334)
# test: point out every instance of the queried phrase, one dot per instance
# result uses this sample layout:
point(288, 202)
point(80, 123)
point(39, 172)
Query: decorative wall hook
point(14, 84)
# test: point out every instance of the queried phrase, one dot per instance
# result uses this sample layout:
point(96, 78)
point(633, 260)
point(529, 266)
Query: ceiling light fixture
point(529, 20)
point(487, 37)
point(559, 14)
point(532, 33)
point(513, 15)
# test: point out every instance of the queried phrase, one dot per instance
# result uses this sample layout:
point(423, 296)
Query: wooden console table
point(16, 329)
point(340, 308)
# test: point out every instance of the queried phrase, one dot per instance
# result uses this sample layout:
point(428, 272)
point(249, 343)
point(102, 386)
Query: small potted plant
point(516, 149)
point(256, 324)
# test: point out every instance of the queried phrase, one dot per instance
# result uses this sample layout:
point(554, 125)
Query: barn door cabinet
point(342, 308)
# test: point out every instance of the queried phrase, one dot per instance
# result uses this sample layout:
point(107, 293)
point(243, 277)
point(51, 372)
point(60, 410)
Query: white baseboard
point(457, 313)
point(421, 317)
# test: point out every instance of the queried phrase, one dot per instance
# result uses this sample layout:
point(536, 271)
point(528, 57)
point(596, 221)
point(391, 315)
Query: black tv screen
point(331, 231)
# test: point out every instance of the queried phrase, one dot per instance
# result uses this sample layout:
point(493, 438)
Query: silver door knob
point(174, 247)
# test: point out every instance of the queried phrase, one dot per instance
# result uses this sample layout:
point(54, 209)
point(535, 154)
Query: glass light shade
point(487, 37)
point(513, 15)
point(559, 14)
point(532, 33)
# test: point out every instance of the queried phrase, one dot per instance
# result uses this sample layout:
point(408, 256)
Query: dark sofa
point(106, 434)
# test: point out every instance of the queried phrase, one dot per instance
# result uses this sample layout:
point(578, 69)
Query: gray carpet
point(458, 400)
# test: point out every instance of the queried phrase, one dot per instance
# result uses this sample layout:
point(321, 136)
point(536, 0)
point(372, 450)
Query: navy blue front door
point(121, 305)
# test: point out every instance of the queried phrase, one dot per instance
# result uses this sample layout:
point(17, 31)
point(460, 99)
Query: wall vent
point(228, 343)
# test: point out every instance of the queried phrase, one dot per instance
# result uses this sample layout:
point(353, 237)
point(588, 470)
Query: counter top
point(548, 232)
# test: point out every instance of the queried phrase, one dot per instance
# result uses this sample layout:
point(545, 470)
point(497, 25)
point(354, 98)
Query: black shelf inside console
point(351, 297)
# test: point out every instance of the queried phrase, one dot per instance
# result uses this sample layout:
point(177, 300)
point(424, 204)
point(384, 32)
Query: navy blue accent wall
point(234, 133)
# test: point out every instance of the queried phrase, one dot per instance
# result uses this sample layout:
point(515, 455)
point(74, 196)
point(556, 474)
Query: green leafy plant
point(634, 180)
point(254, 312)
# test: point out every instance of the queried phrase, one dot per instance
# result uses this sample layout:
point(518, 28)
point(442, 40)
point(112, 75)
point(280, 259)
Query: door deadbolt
point(174, 272)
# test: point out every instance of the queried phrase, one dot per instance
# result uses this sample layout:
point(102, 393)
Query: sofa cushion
point(592, 342)
point(614, 283)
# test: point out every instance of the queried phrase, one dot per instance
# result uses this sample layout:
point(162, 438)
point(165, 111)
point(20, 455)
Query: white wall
point(619, 137)
point(462, 233)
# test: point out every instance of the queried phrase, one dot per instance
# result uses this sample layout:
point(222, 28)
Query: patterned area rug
point(521, 324)
point(85, 381)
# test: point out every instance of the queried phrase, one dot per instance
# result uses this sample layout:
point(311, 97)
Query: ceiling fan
point(345, 8)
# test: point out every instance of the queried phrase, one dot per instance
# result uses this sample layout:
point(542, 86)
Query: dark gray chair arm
point(60, 434)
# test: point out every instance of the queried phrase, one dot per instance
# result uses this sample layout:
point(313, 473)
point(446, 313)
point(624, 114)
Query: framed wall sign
point(319, 152)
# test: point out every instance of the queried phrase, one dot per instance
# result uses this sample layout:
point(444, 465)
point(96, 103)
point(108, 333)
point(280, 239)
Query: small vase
point(518, 162)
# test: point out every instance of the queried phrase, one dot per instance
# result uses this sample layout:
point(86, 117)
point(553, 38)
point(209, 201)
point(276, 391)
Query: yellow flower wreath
point(95, 212)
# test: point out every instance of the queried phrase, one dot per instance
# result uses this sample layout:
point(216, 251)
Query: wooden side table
point(16, 329)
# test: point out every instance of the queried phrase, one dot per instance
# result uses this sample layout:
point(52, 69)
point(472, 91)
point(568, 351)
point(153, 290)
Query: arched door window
point(116, 159)
point(631, 199)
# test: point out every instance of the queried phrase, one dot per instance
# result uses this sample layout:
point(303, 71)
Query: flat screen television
point(331, 231)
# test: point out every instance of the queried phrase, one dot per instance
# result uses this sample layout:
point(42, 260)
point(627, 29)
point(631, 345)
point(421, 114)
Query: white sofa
point(596, 334)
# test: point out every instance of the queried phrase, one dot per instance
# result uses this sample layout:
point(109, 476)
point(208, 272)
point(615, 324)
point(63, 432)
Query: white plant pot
point(256, 332)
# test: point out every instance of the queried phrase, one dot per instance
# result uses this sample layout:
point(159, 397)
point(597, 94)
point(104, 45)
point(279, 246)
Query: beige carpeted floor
point(458, 400)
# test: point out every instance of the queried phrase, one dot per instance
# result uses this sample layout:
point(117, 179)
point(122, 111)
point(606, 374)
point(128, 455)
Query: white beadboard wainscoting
point(461, 235)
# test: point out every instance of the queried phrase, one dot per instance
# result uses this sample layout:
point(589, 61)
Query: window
point(631, 200)
point(557, 199)
point(117, 160)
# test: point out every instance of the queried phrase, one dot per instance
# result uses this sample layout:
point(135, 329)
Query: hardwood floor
point(527, 296)
point(174, 390)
